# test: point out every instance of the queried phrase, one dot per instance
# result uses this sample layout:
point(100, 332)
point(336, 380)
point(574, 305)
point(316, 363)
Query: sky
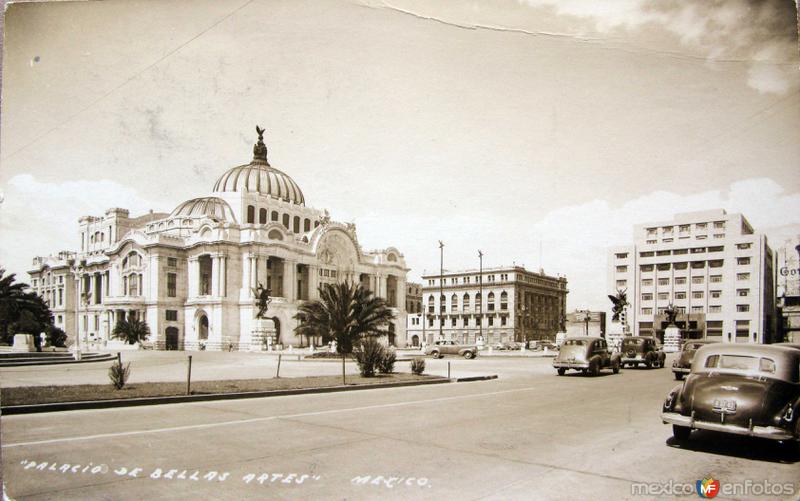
point(536, 131)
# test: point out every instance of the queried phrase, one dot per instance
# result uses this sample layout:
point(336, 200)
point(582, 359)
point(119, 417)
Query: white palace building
point(191, 273)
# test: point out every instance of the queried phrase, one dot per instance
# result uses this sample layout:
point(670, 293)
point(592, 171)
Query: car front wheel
point(468, 355)
point(681, 432)
point(435, 354)
point(561, 371)
point(615, 367)
point(678, 376)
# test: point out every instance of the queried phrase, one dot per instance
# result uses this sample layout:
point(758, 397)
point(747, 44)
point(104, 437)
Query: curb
point(475, 378)
point(56, 362)
point(135, 402)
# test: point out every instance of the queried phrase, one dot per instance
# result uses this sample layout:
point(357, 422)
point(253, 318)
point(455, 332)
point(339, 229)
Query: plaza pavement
point(527, 435)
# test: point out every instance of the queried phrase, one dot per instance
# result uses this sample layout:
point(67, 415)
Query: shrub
point(368, 355)
point(119, 374)
point(56, 336)
point(418, 365)
point(386, 364)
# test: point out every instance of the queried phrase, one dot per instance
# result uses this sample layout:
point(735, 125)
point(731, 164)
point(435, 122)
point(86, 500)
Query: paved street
point(528, 434)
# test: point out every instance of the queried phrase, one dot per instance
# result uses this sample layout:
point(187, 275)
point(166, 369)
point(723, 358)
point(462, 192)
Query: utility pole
point(480, 294)
point(441, 287)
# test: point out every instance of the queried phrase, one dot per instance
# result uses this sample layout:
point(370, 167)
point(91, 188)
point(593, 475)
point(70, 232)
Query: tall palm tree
point(131, 331)
point(21, 310)
point(345, 313)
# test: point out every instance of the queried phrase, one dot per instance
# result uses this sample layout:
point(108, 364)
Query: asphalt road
point(527, 435)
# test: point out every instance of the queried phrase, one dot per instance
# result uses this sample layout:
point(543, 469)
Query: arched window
point(316, 223)
point(251, 214)
point(431, 305)
point(504, 300)
point(262, 216)
point(286, 221)
point(442, 305)
point(307, 225)
point(296, 225)
point(465, 306)
point(274, 216)
point(453, 303)
point(490, 301)
point(478, 301)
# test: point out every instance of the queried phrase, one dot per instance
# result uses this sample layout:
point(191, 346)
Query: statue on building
point(262, 300)
point(326, 217)
point(260, 149)
point(620, 302)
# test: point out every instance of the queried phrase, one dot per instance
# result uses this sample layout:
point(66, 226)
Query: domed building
point(193, 274)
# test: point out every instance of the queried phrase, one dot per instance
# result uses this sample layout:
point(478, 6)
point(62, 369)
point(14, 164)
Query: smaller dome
point(213, 207)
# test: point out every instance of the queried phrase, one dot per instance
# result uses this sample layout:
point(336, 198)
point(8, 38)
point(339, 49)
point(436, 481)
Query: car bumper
point(681, 370)
point(626, 360)
point(770, 432)
point(571, 365)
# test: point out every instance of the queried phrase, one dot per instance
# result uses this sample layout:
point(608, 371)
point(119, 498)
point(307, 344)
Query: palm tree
point(20, 310)
point(345, 313)
point(131, 331)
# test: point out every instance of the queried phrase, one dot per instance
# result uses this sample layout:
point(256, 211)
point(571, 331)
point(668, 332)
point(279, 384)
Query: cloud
point(40, 218)
point(579, 236)
point(763, 33)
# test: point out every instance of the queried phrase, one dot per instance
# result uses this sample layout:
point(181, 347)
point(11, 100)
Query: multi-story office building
point(519, 305)
point(711, 265)
point(192, 273)
point(789, 290)
point(413, 297)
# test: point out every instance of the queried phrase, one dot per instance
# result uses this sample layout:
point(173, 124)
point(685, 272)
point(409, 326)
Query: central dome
point(259, 176)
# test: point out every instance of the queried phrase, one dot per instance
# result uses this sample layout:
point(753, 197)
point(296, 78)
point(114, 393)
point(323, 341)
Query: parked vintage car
point(743, 389)
point(683, 364)
point(441, 348)
point(642, 350)
point(790, 345)
point(586, 354)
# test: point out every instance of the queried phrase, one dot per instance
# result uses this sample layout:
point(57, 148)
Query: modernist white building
point(191, 273)
point(711, 265)
point(502, 305)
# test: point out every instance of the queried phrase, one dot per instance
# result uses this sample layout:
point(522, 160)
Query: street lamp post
point(441, 287)
point(586, 319)
point(75, 268)
point(480, 294)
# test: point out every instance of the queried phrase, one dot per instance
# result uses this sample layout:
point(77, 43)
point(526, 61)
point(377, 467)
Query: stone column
point(223, 275)
point(194, 283)
point(246, 274)
point(215, 275)
point(290, 280)
point(313, 282)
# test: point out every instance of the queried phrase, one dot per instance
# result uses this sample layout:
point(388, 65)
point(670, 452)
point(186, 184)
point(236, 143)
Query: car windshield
point(632, 341)
point(575, 342)
point(692, 346)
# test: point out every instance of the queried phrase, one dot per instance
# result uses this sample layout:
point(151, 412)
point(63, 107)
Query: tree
point(56, 336)
point(131, 331)
point(345, 313)
point(21, 311)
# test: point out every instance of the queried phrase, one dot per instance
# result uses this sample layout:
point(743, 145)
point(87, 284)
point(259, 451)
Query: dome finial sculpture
point(260, 149)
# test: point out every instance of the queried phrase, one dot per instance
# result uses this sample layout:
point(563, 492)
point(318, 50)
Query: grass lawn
point(27, 395)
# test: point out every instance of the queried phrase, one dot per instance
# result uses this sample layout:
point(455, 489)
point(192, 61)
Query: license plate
point(724, 406)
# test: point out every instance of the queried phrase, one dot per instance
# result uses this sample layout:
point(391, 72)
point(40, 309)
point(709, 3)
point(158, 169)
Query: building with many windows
point(711, 265)
point(413, 297)
point(502, 305)
point(586, 323)
point(789, 290)
point(192, 273)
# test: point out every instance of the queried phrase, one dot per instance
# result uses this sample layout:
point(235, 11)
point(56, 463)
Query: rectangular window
point(663, 252)
point(715, 308)
point(652, 241)
point(502, 320)
point(697, 295)
point(697, 309)
point(172, 315)
point(719, 224)
point(647, 282)
point(663, 295)
point(646, 254)
point(743, 292)
point(717, 263)
point(647, 297)
point(742, 260)
point(684, 227)
point(680, 252)
point(680, 280)
point(491, 321)
point(172, 284)
point(452, 322)
point(622, 269)
point(172, 262)
point(719, 236)
point(698, 280)
point(622, 283)
point(622, 255)
point(61, 297)
point(466, 280)
point(716, 294)
point(663, 281)
point(680, 295)
point(743, 246)
point(715, 279)
point(742, 308)
point(701, 226)
point(742, 276)
point(646, 267)
point(647, 311)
